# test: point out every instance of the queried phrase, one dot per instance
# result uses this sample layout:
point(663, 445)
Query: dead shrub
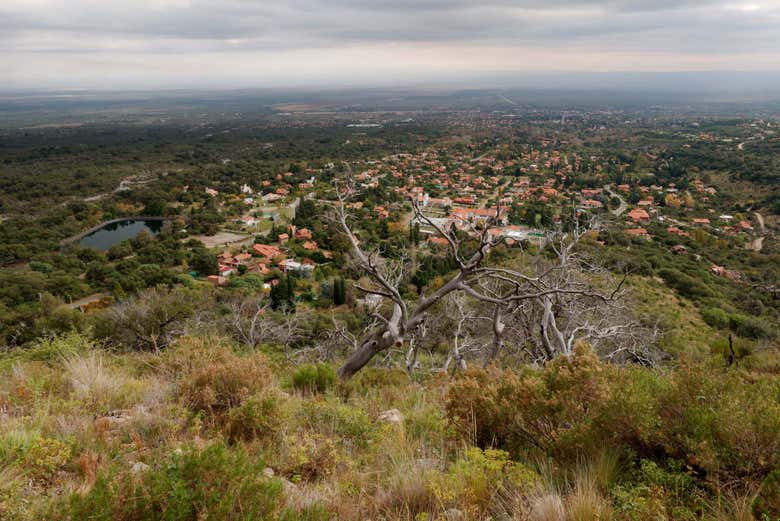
point(215, 379)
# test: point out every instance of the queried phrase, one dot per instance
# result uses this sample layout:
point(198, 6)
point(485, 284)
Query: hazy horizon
point(194, 44)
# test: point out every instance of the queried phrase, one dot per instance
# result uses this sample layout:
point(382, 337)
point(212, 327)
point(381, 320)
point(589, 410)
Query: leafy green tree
point(339, 291)
point(204, 262)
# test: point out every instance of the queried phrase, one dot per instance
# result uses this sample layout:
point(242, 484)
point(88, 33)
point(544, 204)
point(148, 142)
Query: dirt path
point(757, 244)
point(83, 302)
point(760, 219)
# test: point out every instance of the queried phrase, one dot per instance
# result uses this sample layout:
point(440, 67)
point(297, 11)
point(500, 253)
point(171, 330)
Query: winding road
point(620, 210)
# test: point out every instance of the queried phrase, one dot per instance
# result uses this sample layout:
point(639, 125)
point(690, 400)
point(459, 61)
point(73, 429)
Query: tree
point(249, 319)
point(148, 321)
point(499, 290)
point(339, 291)
point(154, 207)
point(283, 295)
point(204, 261)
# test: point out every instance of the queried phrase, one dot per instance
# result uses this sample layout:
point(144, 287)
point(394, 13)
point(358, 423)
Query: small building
point(267, 251)
point(637, 232)
point(639, 215)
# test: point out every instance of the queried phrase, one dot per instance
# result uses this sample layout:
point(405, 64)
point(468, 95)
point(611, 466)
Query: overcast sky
point(267, 43)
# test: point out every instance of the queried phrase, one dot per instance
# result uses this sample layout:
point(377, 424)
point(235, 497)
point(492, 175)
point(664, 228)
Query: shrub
point(724, 425)
point(751, 327)
point(716, 317)
point(45, 456)
point(58, 347)
point(217, 379)
point(310, 457)
point(337, 419)
point(686, 285)
point(314, 378)
point(211, 484)
point(390, 382)
point(259, 416)
point(529, 409)
point(474, 480)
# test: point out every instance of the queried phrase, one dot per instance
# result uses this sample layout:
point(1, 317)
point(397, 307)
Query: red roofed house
point(441, 241)
point(269, 252)
point(303, 233)
point(639, 215)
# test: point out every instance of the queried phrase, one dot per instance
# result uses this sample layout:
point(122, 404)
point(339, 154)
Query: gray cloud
point(115, 34)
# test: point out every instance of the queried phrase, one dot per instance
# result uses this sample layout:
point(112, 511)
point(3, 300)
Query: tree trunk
point(375, 343)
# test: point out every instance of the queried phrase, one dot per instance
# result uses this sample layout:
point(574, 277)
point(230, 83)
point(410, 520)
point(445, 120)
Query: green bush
point(46, 456)
point(473, 481)
point(716, 317)
point(724, 425)
point(337, 419)
point(751, 327)
point(215, 483)
point(314, 378)
point(259, 416)
point(685, 285)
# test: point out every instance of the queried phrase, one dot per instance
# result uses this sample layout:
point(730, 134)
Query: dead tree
point(252, 322)
point(606, 323)
point(500, 289)
point(460, 338)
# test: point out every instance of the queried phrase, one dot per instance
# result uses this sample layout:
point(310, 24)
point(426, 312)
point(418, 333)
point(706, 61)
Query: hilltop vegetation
point(424, 315)
point(210, 429)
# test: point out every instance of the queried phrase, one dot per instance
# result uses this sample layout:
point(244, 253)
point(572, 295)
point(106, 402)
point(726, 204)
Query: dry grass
point(587, 504)
point(90, 377)
point(547, 507)
point(734, 509)
point(407, 492)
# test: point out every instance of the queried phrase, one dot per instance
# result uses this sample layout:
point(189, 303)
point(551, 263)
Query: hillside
point(210, 429)
point(414, 308)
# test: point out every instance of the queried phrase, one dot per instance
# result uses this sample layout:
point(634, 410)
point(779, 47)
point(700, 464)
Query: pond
point(115, 232)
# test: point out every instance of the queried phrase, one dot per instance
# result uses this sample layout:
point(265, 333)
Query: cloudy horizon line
point(182, 43)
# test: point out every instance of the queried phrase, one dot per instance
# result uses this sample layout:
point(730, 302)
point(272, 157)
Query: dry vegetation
point(206, 430)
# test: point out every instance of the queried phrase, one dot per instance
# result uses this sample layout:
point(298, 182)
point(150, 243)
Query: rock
point(113, 421)
point(391, 416)
point(268, 472)
point(139, 467)
point(453, 514)
point(289, 488)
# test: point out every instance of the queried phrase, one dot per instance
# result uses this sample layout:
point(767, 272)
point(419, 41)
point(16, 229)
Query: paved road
point(620, 210)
